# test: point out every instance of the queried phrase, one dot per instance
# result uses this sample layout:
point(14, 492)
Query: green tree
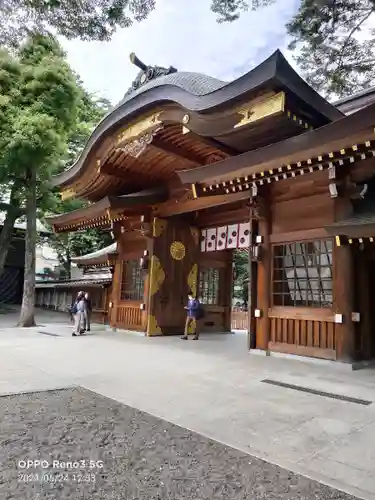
point(241, 276)
point(332, 52)
point(91, 110)
point(38, 96)
point(333, 41)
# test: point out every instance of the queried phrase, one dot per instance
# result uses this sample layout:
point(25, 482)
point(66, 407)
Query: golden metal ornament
point(139, 128)
point(68, 193)
point(192, 279)
point(152, 326)
point(177, 250)
point(157, 275)
point(263, 109)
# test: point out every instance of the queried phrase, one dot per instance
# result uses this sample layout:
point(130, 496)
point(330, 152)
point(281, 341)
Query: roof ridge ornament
point(147, 73)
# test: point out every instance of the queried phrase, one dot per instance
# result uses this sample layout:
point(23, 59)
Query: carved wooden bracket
point(260, 208)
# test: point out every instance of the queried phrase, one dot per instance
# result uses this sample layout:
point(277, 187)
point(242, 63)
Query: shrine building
point(186, 169)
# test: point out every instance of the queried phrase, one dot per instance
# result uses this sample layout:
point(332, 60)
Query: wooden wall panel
point(129, 315)
point(126, 315)
point(314, 211)
point(303, 337)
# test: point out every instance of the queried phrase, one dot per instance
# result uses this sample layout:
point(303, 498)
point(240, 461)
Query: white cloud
point(187, 38)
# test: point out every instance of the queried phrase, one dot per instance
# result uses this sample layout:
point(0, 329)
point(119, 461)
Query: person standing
point(192, 309)
point(78, 310)
point(87, 313)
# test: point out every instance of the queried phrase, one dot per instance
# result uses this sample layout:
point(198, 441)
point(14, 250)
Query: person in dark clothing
point(72, 308)
point(192, 309)
point(87, 316)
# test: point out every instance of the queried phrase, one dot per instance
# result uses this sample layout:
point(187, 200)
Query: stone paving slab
point(123, 453)
point(212, 387)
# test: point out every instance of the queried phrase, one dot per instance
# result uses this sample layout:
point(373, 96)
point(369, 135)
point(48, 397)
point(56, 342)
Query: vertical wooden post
point(146, 291)
point(363, 305)
point(116, 285)
point(264, 280)
point(250, 306)
point(343, 288)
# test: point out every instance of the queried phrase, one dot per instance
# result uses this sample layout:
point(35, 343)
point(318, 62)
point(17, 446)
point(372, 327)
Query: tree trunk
point(12, 214)
point(68, 264)
point(28, 299)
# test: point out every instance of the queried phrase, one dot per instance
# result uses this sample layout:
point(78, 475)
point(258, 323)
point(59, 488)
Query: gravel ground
point(123, 453)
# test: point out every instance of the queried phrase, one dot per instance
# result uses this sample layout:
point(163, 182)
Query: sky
point(183, 34)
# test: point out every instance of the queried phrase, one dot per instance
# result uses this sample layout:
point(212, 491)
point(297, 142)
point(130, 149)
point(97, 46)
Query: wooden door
point(173, 275)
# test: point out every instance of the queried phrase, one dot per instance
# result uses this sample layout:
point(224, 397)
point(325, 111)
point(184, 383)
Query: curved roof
point(95, 255)
point(202, 94)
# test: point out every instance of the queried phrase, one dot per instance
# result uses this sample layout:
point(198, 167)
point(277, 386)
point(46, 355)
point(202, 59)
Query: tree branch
point(351, 33)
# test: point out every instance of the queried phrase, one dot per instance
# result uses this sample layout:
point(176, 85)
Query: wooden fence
point(239, 319)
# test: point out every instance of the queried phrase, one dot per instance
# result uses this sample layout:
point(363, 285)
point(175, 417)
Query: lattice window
point(209, 286)
point(132, 281)
point(302, 274)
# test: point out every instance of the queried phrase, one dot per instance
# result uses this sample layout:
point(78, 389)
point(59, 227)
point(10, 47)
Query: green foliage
point(68, 245)
point(39, 97)
point(85, 19)
point(241, 276)
point(333, 56)
point(327, 36)
point(93, 19)
point(91, 110)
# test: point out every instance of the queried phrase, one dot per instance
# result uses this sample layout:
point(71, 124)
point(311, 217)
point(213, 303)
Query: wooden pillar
point(113, 301)
point(251, 303)
point(363, 305)
point(146, 291)
point(343, 297)
point(343, 288)
point(264, 278)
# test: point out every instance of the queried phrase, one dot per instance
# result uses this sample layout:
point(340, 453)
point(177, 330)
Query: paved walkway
point(214, 387)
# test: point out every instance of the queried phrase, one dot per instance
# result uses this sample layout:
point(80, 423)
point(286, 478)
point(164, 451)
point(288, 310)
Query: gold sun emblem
point(177, 250)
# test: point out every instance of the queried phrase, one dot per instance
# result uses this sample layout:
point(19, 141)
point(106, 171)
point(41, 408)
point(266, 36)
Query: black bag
point(200, 312)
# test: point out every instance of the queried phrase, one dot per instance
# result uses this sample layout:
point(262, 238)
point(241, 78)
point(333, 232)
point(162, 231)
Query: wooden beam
point(223, 217)
point(177, 152)
point(213, 143)
point(172, 208)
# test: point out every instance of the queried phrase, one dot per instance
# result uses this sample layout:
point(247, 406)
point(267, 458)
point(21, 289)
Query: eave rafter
point(155, 141)
point(329, 161)
point(341, 240)
point(108, 211)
